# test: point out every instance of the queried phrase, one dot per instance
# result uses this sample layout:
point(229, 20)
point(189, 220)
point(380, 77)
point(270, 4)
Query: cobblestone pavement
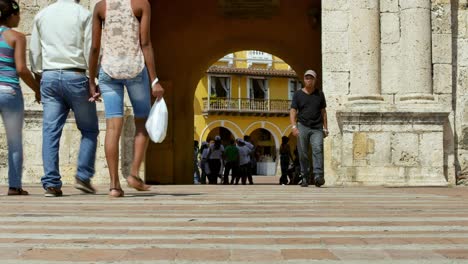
point(237, 224)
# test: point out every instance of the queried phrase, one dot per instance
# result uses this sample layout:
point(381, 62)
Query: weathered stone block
point(415, 4)
point(431, 149)
point(463, 52)
point(390, 28)
point(336, 83)
point(335, 42)
point(441, 19)
point(442, 78)
point(442, 48)
point(335, 5)
point(336, 62)
point(389, 6)
point(405, 149)
point(335, 21)
point(391, 63)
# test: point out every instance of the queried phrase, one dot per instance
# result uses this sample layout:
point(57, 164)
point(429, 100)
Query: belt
point(68, 69)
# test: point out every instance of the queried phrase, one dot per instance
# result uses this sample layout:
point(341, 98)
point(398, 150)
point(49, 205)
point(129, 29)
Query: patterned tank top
point(8, 74)
point(122, 55)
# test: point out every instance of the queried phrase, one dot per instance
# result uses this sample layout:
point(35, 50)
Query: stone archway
point(231, 126)
point(185, 48)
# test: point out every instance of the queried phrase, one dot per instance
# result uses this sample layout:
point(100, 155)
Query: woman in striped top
point(12, 67)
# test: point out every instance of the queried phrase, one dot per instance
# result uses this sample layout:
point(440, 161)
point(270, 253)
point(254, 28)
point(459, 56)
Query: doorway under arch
point(212, 34)
point(225, 134)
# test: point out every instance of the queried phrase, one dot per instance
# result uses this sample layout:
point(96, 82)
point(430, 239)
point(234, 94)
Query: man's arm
point(325, 121)
point(35, 49)
point(147, 47)
point(293, 120)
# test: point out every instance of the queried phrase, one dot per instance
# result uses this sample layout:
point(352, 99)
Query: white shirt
point(61, 37)
point(216, 153)
point(244, 154)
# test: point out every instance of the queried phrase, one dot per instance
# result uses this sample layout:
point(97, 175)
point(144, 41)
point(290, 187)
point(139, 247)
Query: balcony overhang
point(252, 72)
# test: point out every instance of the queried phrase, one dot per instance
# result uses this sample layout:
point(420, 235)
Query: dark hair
point(284, 140)
point(8, 8)
point(217, 144)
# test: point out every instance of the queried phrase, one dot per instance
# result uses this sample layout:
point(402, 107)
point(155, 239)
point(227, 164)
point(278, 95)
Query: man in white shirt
point(59, 49)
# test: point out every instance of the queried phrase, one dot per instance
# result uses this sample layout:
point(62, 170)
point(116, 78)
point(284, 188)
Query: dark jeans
point(244, 172)
point(232, 166)
point(313, 137)
point(284, 161)
point(215, 166)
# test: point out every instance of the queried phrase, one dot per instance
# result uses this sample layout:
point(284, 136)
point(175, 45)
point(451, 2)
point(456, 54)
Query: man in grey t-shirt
point(308, 117)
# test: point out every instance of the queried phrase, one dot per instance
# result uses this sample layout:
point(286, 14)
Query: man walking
point(59, 49)
point(308, 118)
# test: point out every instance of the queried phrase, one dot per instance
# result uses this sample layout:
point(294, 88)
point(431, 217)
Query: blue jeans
point(12, 111)
point(61, 92)
point(313, 137)
point(138, 89)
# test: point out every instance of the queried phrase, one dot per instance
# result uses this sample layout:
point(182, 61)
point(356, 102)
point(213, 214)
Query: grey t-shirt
point(309, 107)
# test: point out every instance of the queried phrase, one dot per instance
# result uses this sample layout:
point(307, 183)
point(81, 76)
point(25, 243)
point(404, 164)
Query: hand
point(94, 94)
point(295, 131)
point(37, 95)
point(157, 91)
point(325, 133)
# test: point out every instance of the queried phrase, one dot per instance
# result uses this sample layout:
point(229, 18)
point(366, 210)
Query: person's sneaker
point(319, 180)
point(85, 187)
point(304, 184)
point(53, 192)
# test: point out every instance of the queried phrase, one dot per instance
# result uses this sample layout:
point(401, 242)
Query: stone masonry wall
point(400, 128)
point(460, 55)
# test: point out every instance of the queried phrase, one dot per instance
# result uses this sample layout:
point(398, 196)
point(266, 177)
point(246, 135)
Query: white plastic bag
point(156, 125)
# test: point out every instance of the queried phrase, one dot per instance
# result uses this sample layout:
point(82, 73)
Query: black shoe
point(304, 184)
point(85, 187)
point(53, 192)
point(319, 180)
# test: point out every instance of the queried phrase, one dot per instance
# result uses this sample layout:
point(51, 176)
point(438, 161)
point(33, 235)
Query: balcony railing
point(244, 106)
point(229, 58)
point(258, 57)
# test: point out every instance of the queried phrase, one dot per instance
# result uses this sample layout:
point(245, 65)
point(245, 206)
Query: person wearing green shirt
point(231, 162)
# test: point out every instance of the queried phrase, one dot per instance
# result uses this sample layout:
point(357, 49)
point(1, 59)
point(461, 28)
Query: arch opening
point(181, 69)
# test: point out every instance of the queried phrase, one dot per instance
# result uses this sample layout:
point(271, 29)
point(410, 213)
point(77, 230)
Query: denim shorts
point(138, 89)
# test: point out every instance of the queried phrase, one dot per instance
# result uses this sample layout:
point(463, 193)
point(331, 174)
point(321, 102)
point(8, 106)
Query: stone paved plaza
point(237, 224)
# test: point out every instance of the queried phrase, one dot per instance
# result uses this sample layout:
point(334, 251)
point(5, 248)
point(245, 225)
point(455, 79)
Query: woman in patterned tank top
point(127, 61)
point(12, 67)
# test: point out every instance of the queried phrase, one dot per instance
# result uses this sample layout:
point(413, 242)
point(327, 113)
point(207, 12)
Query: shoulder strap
point(3, 29)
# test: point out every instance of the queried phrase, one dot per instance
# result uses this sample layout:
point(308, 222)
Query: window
point(294, 85)
point(258, 88)
point(220, 86)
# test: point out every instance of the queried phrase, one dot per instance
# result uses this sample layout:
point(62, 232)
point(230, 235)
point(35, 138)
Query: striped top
point(8, 74)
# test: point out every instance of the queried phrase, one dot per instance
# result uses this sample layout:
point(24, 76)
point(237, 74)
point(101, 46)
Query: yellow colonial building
point(247, 93)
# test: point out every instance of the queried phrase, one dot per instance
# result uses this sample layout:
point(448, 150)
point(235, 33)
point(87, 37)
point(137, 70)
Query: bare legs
point(113, 133)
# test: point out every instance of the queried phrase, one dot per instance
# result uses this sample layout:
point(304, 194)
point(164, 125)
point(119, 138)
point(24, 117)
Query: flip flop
point(139, 185)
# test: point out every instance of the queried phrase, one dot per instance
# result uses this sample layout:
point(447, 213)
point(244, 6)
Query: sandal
point(17, 191)
point(137, 184)
point(116, 192)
